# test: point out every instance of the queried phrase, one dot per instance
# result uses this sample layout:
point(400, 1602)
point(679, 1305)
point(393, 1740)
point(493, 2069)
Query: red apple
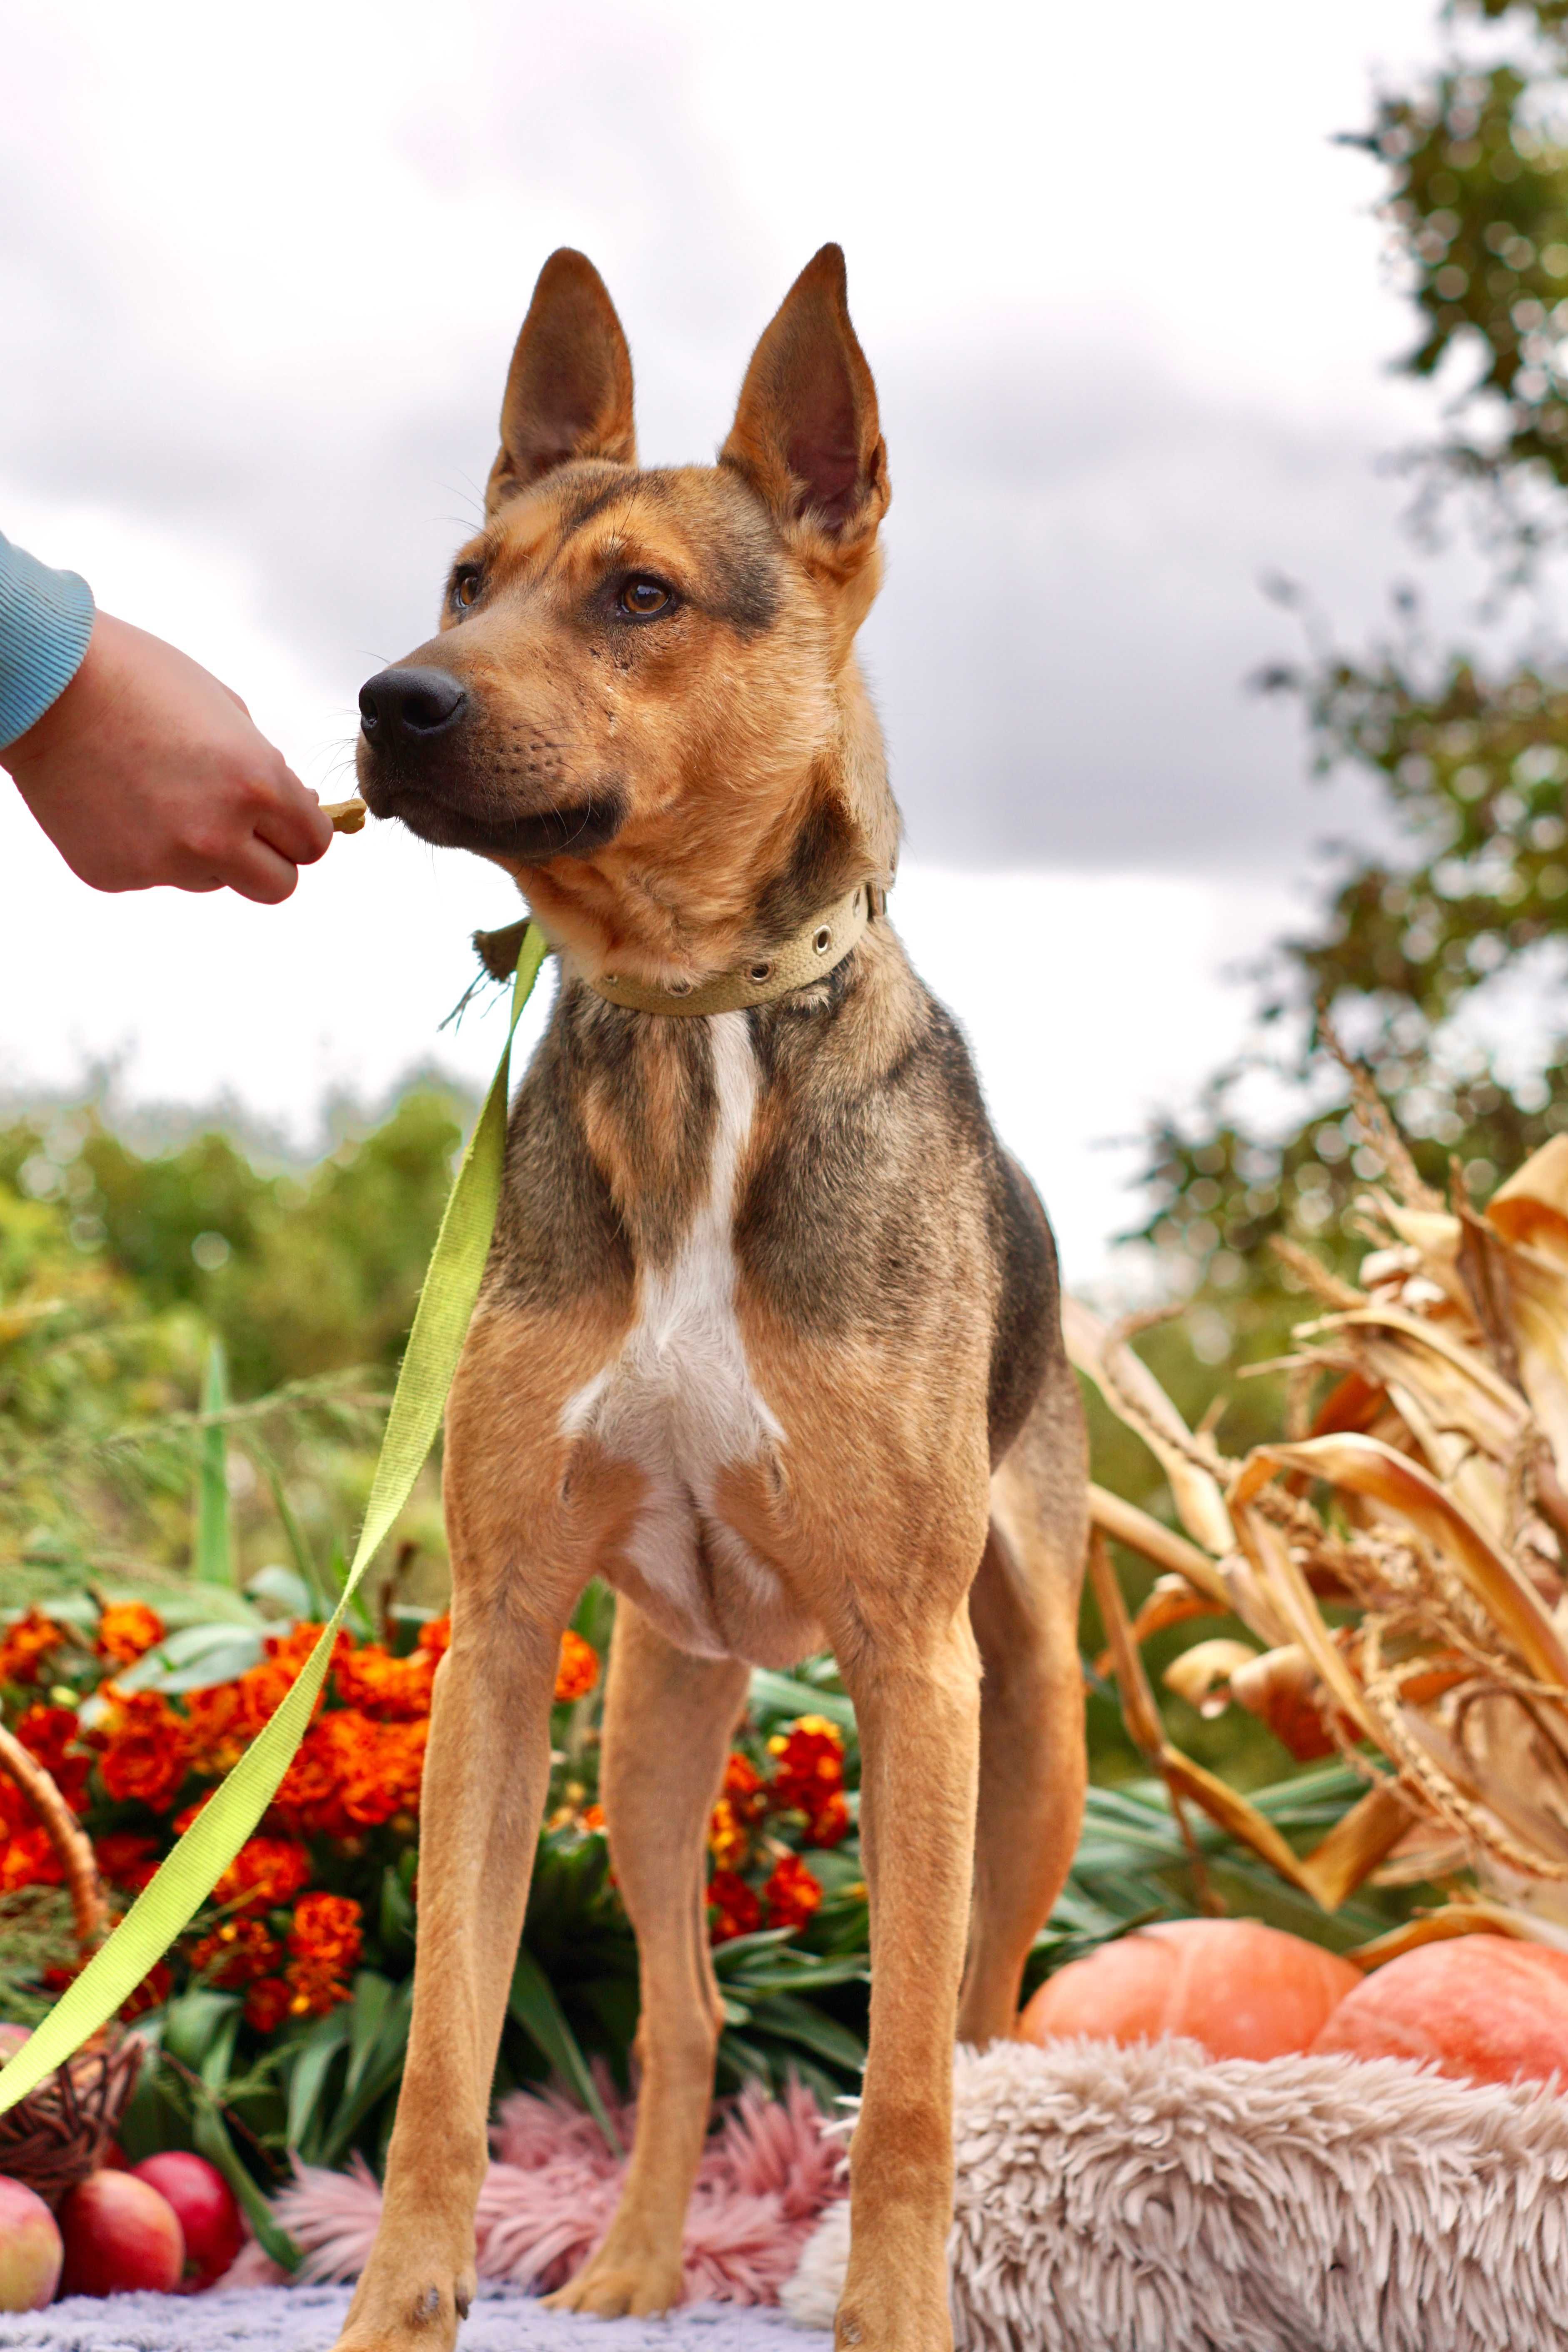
point(207, 2210)
point(120, 2234)
point(29, 2249)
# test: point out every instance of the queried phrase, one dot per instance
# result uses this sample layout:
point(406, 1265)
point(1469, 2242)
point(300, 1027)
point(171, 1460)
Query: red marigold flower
point(50, 1734)
point(733, 1907)
point(237, 1952)
point(146, 1751)
point(266, 2004)
point(25, 1644)
point(127, 1630)
point(265, 1873)
point(792, 1893)
point(578, 1670)
point(28, 1859)
point(155, 1987)
point(126, 1859)
point(810, 1766)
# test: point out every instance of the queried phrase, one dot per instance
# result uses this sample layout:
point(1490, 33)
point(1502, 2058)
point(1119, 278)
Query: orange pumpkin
point(1242, 1990)
point(1481, 2008)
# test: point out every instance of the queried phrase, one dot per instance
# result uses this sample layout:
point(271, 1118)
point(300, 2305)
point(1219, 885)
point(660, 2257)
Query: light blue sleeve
point(46, 620)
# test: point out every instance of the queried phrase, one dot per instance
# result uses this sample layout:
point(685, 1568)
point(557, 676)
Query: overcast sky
point(1126, 305)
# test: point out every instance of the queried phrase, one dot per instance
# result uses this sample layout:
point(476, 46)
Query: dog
point(769, 1334)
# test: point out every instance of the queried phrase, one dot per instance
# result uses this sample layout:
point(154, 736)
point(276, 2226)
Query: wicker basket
point(55, 2136)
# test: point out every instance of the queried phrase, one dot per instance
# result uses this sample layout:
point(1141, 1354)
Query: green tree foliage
point(1413, 950)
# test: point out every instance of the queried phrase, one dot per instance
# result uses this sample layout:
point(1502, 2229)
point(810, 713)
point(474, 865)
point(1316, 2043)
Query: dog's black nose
point(418, 702)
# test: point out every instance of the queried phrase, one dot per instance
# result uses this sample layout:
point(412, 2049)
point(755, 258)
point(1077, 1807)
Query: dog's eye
point(642, 597)
point(466, 586)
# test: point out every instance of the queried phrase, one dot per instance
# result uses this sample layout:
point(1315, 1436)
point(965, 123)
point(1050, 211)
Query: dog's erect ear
point(569, 388)
point(806, 432)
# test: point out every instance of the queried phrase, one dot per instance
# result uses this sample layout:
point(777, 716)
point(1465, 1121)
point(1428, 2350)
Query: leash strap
point(192, 1869)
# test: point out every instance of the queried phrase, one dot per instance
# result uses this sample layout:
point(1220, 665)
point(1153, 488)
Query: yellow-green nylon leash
point(192, 1869)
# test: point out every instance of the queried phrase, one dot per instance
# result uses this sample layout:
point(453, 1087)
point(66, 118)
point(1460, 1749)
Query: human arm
point(141, 767)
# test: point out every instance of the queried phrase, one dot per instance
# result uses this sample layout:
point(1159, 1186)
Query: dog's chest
point(680, 1403)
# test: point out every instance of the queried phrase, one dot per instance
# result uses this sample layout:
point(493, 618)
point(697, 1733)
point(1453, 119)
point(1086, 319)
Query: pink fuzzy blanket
point(767, 2176)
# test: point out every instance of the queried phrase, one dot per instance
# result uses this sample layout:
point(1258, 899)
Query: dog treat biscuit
point(348, 816)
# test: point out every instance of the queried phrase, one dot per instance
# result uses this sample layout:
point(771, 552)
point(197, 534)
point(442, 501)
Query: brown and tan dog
point(769, 1334)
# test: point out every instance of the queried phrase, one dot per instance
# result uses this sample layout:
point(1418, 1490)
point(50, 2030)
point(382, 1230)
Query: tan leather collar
point(815, 950)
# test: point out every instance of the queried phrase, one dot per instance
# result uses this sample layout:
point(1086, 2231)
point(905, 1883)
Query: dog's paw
point(893, 2316)
point(621, 2290)
point(422, 2318)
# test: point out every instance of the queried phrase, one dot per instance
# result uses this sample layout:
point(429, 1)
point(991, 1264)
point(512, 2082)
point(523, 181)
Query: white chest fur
point(680, 1403)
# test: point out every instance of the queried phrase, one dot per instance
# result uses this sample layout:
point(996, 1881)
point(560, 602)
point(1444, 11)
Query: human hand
point(147, 769)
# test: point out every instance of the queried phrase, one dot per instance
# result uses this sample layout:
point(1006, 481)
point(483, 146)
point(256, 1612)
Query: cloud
point(275, 330)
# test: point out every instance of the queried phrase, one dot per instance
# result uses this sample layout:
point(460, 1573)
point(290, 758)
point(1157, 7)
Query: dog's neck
point(681, 898)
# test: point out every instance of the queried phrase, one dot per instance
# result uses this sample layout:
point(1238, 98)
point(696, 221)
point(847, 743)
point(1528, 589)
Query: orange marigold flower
point(309, 1796)
point(830, 1825)
point(146, 1751)
point(266, 2004)
point(125, 1859)
point(324, 1943)
point(265, 1873)
point(28, 1859)
point(395, 1689)
point(237, 1952)
point(733, 1907)
point(155, 1987)
point(326, 1931)
point(291, 1649)
point(313, 1990)
point(25, 1644)
point(729, 1839)
point(49, 1733)
point(384, 1776)
point(128, 1628)
point(263, 1688)
point(592, 1820)
point(436, 1637)
point(578, 1670)
point(216, 1727)
point(792, 1893)
point(744, 1787)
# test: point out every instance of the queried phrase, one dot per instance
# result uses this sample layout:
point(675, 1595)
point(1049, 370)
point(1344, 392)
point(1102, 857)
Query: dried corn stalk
point(1401, 1564)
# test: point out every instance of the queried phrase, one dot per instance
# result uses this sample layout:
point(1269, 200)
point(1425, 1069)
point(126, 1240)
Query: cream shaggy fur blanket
point(1152, 2200)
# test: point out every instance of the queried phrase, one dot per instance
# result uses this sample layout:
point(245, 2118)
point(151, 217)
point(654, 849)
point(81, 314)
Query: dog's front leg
point(486, 1773)
point(917, 1693)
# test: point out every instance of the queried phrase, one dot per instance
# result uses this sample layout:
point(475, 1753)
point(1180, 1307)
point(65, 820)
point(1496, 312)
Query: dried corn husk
point(1429, 1494)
